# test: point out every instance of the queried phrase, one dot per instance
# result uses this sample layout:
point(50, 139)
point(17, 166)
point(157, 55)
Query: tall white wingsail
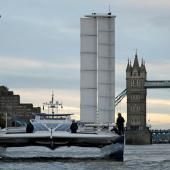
point(97, 77)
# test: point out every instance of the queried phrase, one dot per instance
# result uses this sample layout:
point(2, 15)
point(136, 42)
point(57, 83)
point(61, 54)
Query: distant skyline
point(40, 49)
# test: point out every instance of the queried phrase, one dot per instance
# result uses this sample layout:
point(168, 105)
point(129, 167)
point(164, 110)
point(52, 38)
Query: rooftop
point(104, 15)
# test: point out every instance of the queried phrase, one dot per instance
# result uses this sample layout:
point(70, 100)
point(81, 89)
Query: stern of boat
point(115, 150)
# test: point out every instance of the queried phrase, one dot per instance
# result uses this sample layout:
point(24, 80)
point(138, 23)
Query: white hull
point(111, 144)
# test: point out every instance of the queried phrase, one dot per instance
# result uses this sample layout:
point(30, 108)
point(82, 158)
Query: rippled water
point(155, 157)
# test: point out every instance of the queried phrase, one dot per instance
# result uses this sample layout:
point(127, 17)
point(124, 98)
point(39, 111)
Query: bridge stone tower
point(137, 132)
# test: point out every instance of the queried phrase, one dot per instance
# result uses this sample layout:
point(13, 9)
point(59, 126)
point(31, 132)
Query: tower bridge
point(148, 84)
point(136, 91)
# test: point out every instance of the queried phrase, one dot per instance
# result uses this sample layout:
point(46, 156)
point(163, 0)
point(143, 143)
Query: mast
point(53, 105)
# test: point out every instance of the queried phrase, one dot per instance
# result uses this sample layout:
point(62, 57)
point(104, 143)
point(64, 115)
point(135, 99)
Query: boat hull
point(112, 146)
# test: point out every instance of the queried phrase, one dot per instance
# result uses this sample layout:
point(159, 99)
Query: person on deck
point(114, 129)
point(29, 128)
point(73, 127)
point(120, 124)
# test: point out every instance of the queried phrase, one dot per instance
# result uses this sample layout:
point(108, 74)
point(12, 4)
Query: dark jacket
point(29, 128)
point(120, 125)
point(120, 121)
point(73, 127)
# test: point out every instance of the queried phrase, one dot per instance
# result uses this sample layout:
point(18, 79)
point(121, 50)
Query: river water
point(155, 157)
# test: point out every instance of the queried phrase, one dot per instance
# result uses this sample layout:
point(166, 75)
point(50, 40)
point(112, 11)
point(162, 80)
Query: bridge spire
point(136, 63)
point(129, 67)
point(143, 68)
point(136, 52)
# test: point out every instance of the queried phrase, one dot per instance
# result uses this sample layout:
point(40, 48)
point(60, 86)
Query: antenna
point(136, 51)
point(53, 104)
point(109, 8)
point(109, 13)
point(52, 97)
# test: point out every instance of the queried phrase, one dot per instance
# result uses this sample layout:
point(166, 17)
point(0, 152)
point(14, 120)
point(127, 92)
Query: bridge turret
point(136, 63)
point(143, 70)
point(137, 132)
point(136, 95)
point(128, 69)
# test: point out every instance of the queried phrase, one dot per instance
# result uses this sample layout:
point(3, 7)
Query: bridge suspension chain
point(120, 96)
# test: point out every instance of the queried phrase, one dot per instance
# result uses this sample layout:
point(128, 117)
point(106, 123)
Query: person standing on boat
point(120, 124)
point(73, 127)
point(29, 128)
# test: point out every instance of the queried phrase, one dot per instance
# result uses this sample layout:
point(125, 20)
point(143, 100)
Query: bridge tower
point(136, 75)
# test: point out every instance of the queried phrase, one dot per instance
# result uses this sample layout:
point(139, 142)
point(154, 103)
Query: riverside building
point(17, 113)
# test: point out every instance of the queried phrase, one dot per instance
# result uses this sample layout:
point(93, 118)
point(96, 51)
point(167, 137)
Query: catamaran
point(95, 136)
point(53, 131)
point(97, 91)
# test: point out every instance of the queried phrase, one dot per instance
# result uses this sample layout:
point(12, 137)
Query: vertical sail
point(97, 77)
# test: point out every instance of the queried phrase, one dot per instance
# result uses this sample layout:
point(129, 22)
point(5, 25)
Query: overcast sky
point(40, 49)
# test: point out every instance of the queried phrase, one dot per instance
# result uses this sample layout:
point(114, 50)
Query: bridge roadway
point(157, 84)
point(148, 84)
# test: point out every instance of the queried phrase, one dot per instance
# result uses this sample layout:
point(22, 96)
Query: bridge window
point(138, 108)
point(135, 107)
point(135, 97)
point(136, 73)
point(135, 83)
point(134, 127)
point(139, 83)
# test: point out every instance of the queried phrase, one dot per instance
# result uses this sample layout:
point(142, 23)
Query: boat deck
point(57, 139)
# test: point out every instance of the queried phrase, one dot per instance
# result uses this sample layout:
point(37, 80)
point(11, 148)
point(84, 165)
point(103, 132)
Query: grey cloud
point(20, 81)
point(22, 39)
point(37, 30)
point(162, 21)
point(49, 31)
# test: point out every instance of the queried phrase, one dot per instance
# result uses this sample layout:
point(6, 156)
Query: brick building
point(17, 113)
